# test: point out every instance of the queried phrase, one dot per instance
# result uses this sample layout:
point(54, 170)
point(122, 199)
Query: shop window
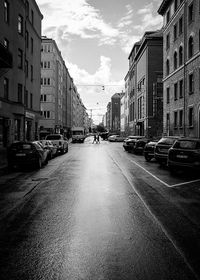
point(17, 125)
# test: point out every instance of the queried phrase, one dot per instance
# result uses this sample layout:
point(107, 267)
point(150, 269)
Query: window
point(191, 83)
point(175, 32)
point(6, 43)
point(168, 95)
point(46, 114)
point(32, 17)
point(27, 8)
point(45, 64)
point(175, 119)
point(167, 67)
point(175, 91)
point(31, 73)
point(20, 59)
point(180, 56)
point(20, 24)
point(6, 88)
point(26, 68)
point(49, 64)
point(168, 16)
point(26, 98)
point(191, 13)
point(48, 81)
point(6, 12)
point(175, 60)
point(31, 45)
point(180, 25)
point(168, 41)
point(181, 89)
point(27, 39)
point(168, 121)
point(181, 118)
point(190, 117)
point(175, 5)
point(19, 93)
point(190, 47)
point(31, 101)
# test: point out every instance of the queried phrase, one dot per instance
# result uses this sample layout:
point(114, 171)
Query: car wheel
point(39, 163)
point(147, 157)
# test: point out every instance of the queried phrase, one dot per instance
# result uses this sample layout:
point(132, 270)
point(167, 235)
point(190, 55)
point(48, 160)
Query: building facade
point(115, 113)
point(145, 85)
point(54, 89)
point(20, 35)
point(181, 67)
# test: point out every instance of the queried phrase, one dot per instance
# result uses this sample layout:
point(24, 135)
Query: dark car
point(185, 153)
point(149, 150)
point(130, 141)
point(162, 147)
point(30, 154)
point(139, 145)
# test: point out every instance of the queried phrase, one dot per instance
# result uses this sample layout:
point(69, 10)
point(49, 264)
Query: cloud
point(149, 20)
point(76, 17)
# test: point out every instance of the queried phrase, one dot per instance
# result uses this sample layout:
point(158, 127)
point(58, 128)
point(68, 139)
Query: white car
point(60, 141)
point(116, 138)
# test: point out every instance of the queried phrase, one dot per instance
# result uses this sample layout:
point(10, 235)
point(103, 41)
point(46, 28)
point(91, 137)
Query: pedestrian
point(98, 139)
point(95, 139)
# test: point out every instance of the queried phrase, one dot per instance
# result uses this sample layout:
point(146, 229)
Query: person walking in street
point(98, 139)
point(95, 139)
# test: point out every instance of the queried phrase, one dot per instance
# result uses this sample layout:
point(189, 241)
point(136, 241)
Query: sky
point(95, 38)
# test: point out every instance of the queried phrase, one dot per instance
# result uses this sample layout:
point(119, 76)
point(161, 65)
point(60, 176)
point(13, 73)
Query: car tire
point(39, 163)
point(148, 158)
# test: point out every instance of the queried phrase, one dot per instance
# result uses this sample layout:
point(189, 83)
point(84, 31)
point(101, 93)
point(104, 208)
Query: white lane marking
point(155, 177)
point(185, 183)
point(167, 185)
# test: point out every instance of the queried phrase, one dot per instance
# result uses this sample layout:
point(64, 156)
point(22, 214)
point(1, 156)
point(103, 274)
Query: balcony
point(6, 60)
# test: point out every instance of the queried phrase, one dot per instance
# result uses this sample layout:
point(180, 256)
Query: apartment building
point(55, 90)
point(20, 43)
point(108, 116)
point(145, 85)
point(181, 67)
point(115, 112)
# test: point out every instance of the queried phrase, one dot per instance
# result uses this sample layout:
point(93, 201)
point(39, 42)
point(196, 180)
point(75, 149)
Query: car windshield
point(168, 141)
point(77, 132)
point(187, 144)
point(53, 137)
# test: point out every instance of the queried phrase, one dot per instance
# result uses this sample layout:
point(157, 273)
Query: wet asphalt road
point(88, 217)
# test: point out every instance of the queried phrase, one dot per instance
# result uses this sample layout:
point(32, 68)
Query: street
point(98, 213)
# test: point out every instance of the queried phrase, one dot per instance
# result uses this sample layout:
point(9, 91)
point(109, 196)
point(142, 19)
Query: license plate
point(182, 156)
point(20, 155)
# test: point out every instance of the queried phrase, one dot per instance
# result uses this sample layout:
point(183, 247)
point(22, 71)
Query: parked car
point(52, 148)
point(162, 147)
point(27, 154)
point(130, 141)
point(185, 153)
point(116, 138)
point(149, 150)
point(60, 141)
point(138, 148)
